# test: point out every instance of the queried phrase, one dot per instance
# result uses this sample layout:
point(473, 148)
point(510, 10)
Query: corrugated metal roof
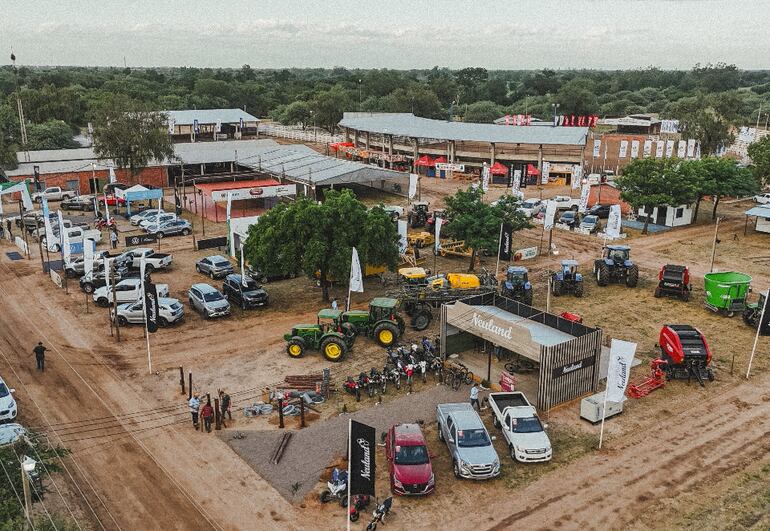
point(409, 125)
point(48, 155)
point(759, 211)
point(210, 116)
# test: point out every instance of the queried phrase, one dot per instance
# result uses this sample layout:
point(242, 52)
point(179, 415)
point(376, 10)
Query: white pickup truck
point(522, 429)
point(76, 235)
point(52, 193)
point(128, 290)
point(565, 202)
point(152, 260)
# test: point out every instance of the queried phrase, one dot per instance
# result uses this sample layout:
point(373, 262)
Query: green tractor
point(329, 335)
point(381, 322)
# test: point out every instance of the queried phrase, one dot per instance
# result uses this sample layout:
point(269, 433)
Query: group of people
point(206, 412)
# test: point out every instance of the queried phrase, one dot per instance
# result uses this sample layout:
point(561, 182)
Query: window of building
point(679, 213)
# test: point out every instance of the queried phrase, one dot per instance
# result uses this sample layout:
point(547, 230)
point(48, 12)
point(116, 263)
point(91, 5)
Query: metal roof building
point(211, 123)
point(210, 116)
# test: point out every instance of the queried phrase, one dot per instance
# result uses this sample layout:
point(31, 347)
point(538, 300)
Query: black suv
point(97, 279)
point(249, 296)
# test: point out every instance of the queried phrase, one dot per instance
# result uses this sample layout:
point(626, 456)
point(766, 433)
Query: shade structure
point(440, 160)
point(426, 161)
point(498, 169)
point(532, 170)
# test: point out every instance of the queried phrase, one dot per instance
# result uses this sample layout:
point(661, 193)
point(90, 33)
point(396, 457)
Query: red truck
point(409, 467)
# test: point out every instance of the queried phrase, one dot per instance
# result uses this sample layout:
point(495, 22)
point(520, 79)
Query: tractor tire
point(422, 320)
point(632, 276)
point(602, 274)
point(557, 287)
point(333, 349)
point(579, 289)
point(296, 347)
point(386, 334)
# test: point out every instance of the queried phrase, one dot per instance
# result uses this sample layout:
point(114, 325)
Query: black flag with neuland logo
point(362, 451)
point(151, 303)
point(506, 235)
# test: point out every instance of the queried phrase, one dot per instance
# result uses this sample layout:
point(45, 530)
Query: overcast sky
point(509, 34)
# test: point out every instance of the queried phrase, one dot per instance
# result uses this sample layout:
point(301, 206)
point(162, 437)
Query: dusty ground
point(671, 461)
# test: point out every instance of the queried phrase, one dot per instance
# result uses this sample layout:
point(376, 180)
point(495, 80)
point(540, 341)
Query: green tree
point(718, 178)
point(706, 119)
point(130, 133)
point(308, 237)
point(297, 112)
point(477, 222)
point(329, 105)
point(760, 159)
point(482, 112)
point(53, 134)
point(577, 96)
point(651, 183)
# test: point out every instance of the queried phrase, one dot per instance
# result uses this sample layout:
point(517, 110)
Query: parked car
point(10, 433)
point(68, 224)
point(76, 266)
point(170, 311)
point(127, 290)
point(569, 218)
point(600, 211)
point(174, 227)
point(409, 466)
point(762, 199)
point(98, 279)
point(149, 214)
point(249, 296)
point(8, 408)
point(75, 235)
point(565, 202)
point(531, 207)
point(215, 266)
point(152, 260)
point(522, 429)
point(52, 193)
point(81, 202)
point(469, 443)
point(32, 220)
point(208, 300)
point(111, 200)
point(591, 224)
point(153, 220)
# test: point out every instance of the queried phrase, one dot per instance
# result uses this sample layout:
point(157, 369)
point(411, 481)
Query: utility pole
point(27, 494)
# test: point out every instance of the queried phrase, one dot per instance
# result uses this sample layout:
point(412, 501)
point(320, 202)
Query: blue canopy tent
point(139, 193)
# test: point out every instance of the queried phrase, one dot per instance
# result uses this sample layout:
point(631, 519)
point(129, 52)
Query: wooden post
point(181, 379)
point(280, 412)
point(27, 497)
point(189, 385)
point(714, 245)
point(217, 423)
point(301, 412)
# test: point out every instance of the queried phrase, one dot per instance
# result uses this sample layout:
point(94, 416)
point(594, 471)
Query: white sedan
point(144, 215)
point(762, 199)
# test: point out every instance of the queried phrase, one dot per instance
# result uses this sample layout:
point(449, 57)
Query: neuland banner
point(584, 193)
point(363, 449)
point(506, 235)
point(621, 358)
point(151, 304)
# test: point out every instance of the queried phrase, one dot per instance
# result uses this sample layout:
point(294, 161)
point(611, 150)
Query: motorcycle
point(437, 367)
point(336, 487)
point(373, 382)
point(358, 503)
point(379, 513)
point(394, 376)
point(351, 387)
point(363, 383)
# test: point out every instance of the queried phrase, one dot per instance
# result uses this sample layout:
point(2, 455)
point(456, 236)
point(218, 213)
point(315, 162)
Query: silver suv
point(215, 266)
point(208, 300)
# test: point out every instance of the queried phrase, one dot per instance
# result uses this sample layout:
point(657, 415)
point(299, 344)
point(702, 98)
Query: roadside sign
point(525, 254)
point(447, 166)
point(211, 243)
point(56, 277)
point(140, 239)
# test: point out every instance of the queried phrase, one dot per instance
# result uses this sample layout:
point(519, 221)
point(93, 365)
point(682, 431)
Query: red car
point(112, 200)
point(409, 465)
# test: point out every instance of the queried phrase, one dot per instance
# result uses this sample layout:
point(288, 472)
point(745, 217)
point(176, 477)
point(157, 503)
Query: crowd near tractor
point(753, 313)
point(381, 322)
point(674, 280)
point(329, 335)
point(567, 280)
point(419, 214)
point(615, 265)
point(517, 285)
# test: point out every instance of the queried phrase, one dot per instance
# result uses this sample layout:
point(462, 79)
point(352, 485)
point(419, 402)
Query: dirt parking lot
point(677, 454)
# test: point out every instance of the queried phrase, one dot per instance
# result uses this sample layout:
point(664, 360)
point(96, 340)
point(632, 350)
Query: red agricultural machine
point(686, 353)
point(674, 280)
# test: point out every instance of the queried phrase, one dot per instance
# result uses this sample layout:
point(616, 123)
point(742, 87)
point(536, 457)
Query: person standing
point(224, 403)
point(194, 404)
point(114, 238)
point(207, 412)
point(9, 226)
point(39, 351)
point(475, 396)
point(335, 306)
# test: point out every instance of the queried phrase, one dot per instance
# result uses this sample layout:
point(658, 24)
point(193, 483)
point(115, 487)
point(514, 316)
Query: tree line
point(708, 99)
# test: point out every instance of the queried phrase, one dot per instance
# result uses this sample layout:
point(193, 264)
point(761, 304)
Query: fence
point(294, 132)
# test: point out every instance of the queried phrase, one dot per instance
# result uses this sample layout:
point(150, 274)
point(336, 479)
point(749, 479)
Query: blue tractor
point(568, 280)
point(615, 265)
point(517, 285)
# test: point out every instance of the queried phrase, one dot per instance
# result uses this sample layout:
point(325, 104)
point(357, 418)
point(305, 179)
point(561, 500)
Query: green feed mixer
point(726, 291)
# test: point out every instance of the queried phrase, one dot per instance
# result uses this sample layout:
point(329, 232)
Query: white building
point(762, 214)
point(668, 216)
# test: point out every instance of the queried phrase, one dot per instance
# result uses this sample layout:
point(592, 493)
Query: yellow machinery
point(454, 248)
point(420, 239)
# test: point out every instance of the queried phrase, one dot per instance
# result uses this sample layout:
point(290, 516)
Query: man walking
point(114, 238)
point(39, 351)
point(224, 403)
point(475, 396)
point(208, 414)
point(194, 405)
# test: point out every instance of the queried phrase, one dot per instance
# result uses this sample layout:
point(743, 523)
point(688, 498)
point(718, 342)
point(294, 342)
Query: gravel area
point(314, 448)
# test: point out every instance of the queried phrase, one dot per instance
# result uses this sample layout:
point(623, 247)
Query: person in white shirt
point(475, 396)
point(195, 405)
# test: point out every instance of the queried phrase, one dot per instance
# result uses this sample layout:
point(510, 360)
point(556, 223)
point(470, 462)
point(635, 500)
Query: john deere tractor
point(568, 280)
point(615, 265)
point(517, 285)
point(418, 216)
point(381, 322)
point(329, 335)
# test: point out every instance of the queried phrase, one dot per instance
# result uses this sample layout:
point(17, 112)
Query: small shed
point(762, 215)
point(668, 216)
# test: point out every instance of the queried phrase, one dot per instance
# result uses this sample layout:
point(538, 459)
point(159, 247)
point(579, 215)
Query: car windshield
point(589, 219)
point(3, 390)
point(568, 215)
point(222, 264)
point(472, 438)
point(250, 286)
point(212, 296)
point(527, 425)
point(411, 455)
